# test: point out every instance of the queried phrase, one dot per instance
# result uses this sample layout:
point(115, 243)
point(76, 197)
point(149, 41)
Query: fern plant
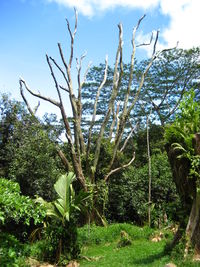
point(181, 133)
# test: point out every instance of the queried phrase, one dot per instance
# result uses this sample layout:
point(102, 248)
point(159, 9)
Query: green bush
point(11, 251)
point(16, 207)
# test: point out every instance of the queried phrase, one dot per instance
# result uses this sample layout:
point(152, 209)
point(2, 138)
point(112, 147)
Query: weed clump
point(124, 240)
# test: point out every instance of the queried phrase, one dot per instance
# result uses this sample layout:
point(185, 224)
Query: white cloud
point(183, 26)
point(183, 14)
point(90, 7)
point(184, 22)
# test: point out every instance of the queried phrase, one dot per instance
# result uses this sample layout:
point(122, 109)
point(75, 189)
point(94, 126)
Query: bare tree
point(78, 145)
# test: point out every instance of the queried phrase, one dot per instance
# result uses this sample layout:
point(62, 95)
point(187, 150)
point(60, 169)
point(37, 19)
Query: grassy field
point(100, 248)
point(118, 245)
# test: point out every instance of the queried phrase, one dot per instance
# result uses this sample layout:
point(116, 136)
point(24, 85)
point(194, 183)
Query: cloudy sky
point(31, 28)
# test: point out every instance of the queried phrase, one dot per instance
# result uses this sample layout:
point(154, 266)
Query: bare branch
point(114, 92)
point(95, 106)
point(79, 67)
point(63, 113)
point(154, 56)
point(139, 21)
point(123, 117)
point(25, 100)
point(52, 101)
point(115, 119)
point(36, 107)
point(145, 44)
point(64, 159)
point(128, 137)
point(136, 28)
point(72, 35)
point(60, 69)
point(155, 43)
point(62, 57)
point(55, 80)
point(119, 168)
point(63, 88)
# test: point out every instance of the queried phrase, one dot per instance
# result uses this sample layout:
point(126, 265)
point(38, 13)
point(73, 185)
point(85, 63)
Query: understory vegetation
point(50, 229)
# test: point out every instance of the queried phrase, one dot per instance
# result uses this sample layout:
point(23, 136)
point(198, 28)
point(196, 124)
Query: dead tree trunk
point(80, 148)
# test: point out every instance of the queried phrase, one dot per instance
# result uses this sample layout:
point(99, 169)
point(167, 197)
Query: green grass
point(100, 248)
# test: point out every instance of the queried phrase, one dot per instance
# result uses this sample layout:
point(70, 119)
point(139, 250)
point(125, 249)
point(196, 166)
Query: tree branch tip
point(84, 54)
point(75, 10)
point(21, 80)
point(67, 21)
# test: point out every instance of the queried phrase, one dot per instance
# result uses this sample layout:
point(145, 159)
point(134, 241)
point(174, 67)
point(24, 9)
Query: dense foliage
point(18, 214)
point(181, 134)
point(27, 151)
point(183, 144)
point(128, 197)
point(16, 207)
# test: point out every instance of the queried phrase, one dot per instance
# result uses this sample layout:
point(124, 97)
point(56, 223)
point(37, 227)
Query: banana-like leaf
point(67, 202)
point(60, 208)
point(62, 187)
point(67, 216)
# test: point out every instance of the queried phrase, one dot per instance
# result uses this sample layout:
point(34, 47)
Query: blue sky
point(31, 28)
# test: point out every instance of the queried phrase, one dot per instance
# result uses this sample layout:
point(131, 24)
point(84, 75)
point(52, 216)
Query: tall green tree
point(173, 72)
point(11, 111)
point(28, 154)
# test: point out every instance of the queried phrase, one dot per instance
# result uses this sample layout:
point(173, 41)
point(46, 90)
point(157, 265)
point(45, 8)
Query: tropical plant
point(61, 226)
point(63, 208)
point(182, 138)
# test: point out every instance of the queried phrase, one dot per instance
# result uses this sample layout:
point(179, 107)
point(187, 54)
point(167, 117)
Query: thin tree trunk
point(149, 171)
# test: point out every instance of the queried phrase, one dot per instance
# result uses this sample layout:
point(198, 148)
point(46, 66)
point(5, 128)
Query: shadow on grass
point(149, 259)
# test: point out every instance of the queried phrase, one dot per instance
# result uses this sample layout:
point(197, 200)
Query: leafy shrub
point(124, 240)
point(11, 251)
point(16, 207)
point(18, 214)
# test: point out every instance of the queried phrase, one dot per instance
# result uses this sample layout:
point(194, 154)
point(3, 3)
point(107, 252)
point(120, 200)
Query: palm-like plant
point(62, 232)
point(67, 202)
